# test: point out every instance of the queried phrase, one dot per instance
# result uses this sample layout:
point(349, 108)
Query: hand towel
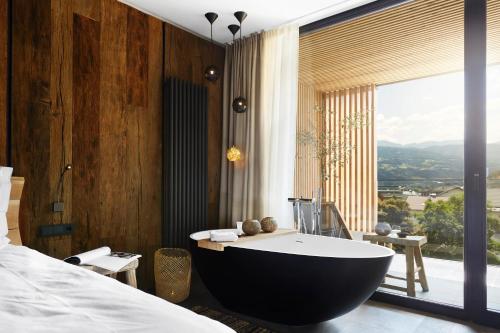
point(223, 236)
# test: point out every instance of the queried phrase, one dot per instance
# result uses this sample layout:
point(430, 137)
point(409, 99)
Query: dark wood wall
point(4, 42)
point(87, 91)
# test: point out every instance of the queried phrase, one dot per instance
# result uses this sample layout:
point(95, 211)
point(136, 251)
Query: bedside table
point(129, 271)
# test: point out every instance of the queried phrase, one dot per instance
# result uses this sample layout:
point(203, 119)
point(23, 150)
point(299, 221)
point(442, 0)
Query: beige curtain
point(264, 69)
point(239, 198)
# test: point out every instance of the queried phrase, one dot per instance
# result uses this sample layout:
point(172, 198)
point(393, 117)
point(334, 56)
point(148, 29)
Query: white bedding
point(42, 294)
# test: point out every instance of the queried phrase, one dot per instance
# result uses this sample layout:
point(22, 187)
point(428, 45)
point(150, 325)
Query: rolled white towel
point(223, 236)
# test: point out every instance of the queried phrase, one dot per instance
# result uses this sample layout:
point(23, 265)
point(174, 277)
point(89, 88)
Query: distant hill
point(428, 160)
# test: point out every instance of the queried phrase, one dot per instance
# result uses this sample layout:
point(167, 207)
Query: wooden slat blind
point(353, 185)
point(417, 39)
point(307, 171)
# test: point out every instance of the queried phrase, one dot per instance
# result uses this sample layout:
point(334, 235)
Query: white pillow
point(4, 228)
point(3, 242)
point(5, 187)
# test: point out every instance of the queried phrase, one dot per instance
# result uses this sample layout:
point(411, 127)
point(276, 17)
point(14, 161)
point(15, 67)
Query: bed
point(42, 294)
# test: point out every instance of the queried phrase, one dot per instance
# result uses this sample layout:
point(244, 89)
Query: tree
point(393, 210)
point(442, 221)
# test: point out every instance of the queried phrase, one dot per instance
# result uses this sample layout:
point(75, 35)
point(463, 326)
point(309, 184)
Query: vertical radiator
point(185, 152)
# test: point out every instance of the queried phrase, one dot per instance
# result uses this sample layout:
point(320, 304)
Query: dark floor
point(371, 317)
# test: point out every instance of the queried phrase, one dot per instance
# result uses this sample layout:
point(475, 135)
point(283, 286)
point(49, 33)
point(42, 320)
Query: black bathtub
point(294, 279)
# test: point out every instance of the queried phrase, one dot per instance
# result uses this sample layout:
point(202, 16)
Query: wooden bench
point(413, 251)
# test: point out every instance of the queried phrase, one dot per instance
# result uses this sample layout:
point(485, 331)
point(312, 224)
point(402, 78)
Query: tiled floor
point(445, 279)
point(371, 317)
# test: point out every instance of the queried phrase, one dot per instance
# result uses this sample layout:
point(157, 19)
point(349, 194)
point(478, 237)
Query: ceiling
point(262, 14)
point(413, 40)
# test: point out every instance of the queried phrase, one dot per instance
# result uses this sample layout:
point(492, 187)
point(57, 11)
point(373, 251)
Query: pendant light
point(211, 72)
point(240, 104)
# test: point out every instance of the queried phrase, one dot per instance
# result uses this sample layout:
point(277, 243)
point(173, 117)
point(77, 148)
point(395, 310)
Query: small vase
point(251, 227)
point(383, 228)
point(269, 224)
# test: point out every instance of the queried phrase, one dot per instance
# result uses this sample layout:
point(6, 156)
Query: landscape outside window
point(420, 131)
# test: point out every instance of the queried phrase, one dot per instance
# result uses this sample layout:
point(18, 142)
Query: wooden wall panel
point(31, 114)
point(137, 58)
point(186, 57)
point(86, 140)
point(88, 92)
point(4, 41)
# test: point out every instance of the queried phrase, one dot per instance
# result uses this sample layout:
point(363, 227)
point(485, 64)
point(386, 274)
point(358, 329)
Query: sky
point(431, 109)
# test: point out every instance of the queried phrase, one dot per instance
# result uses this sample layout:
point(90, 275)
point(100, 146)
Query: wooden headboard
point(13, 211)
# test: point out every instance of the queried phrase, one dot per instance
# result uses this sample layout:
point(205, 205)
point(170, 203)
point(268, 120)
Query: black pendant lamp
point(211, 72)
point(240, 104)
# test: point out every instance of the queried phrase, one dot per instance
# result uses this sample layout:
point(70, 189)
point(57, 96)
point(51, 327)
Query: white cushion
point(4, 229)
point(3, 242)
point(5, 187)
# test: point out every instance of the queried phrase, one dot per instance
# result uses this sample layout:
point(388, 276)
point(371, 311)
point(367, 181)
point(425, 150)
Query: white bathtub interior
point(310, 245)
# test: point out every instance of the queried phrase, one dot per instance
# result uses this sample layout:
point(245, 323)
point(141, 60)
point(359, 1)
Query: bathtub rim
point(205, 234)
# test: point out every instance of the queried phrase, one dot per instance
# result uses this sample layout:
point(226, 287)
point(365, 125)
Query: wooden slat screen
point(417, 39)
point(353, 186)
point(307, 176)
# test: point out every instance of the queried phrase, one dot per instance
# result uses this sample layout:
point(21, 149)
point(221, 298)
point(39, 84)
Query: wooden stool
point(413, 251)
point(129, 270)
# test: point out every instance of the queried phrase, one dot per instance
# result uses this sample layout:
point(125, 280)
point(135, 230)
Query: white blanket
point(42, 294)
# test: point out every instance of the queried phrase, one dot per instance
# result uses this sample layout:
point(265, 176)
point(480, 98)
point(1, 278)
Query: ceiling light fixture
point(240, 104)
point(211, 72)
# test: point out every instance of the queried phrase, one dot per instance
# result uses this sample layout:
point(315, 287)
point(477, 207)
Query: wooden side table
point(129, 270)
point(413, 250)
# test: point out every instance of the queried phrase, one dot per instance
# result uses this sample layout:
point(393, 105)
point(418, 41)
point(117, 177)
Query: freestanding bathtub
point(294, 279)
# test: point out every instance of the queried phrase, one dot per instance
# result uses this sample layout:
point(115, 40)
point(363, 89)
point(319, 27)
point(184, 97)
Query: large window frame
point(475, 263)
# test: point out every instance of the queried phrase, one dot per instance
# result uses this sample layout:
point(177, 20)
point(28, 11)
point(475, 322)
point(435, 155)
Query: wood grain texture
point(88, 92)
point(13, 211)
point(31, 114)
point(4, 41)
point(186, 57)
point(85, 143)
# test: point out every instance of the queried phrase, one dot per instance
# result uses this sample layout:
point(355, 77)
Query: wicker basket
point(172, 274)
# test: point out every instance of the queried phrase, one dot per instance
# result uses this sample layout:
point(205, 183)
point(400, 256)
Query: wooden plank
point(408, 241)
point(116, 219)
point(219, 246)
point(4, 89)
point(410, 271)
point(150, 166)
point(422, 278)
point(137, 58)
point(87, 8)
point(60, 121)
point(86, 129)
point(13, 211)
point(31, 112)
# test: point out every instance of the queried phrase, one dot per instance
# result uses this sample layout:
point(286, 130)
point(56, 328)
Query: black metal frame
point(351, 14)
point(475, 289)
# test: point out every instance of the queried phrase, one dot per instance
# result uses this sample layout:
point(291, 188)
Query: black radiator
point(185, 152)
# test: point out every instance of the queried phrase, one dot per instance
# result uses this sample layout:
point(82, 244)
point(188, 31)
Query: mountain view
point(428, 160)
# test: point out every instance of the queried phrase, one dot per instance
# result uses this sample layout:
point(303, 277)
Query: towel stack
point(223, 236)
